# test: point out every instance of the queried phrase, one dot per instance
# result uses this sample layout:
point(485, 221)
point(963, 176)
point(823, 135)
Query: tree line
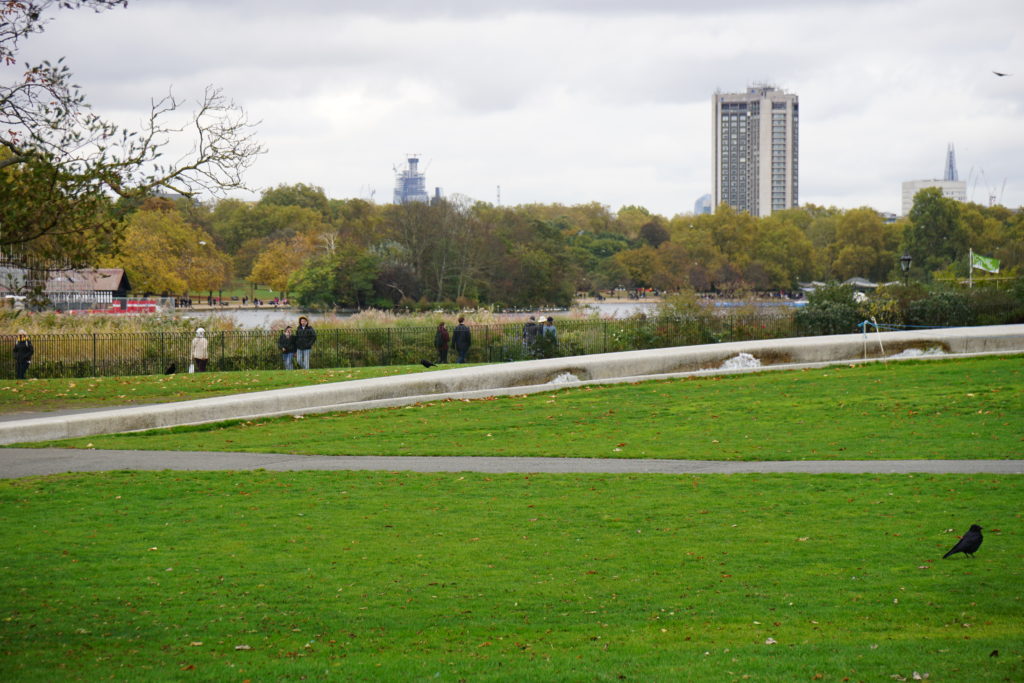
point(326, 253)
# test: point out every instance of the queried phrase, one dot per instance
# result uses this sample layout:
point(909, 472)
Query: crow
point(171, 369)
point(427, 364)
point(968, 543)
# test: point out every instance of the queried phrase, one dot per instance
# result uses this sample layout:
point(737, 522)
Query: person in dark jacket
point(461, 339)
point(441, 339)
point(530, 331)
point(286, 342)
point(305, 337)
point(22, 354)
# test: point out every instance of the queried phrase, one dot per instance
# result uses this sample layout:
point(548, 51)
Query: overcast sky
point(573, 101)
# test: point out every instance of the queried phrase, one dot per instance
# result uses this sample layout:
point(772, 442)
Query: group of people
point(294, 347)
point(538, 337)
point(461, 338)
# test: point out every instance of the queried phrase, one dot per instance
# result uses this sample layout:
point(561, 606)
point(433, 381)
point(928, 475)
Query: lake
point(271, 318)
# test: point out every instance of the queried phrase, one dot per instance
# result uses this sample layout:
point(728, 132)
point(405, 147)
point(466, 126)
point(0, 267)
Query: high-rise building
point(411, 183)
point(950, 173)
point(703, 205)
point(756, 144)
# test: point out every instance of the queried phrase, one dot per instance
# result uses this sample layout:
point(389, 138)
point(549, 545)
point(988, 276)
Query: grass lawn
point(400, 576)
point(41, 395)
point(969, 408)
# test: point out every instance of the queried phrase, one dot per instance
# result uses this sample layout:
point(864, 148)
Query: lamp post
point(905, 265)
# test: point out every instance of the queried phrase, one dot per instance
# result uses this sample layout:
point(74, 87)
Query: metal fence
point(149, 353)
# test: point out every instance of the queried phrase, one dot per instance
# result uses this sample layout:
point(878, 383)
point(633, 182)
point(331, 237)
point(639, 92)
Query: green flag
point(986, 263)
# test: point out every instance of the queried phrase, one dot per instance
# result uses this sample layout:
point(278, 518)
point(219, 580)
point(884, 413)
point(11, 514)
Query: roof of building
point(88, 280)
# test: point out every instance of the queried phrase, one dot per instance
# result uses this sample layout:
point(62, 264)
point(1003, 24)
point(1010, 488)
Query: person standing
point(550, 338)
point(441, 339)
point(22, 354)
point(200, 350)
point(461, 339)
point(549, 330)
point(286, 342)
point(530, 330)
point(305, 337)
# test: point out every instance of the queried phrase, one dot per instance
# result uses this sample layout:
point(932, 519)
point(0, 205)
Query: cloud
point(572, 101)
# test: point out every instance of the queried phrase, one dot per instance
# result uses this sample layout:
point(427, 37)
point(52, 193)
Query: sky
point(573, 101)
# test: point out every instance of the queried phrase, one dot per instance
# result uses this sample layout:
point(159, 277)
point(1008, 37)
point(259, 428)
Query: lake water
point(270, 318)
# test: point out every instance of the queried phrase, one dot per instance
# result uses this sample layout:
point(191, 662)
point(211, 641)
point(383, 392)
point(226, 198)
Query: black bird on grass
point(171, 369)
point(968, 543)
point(427, 364)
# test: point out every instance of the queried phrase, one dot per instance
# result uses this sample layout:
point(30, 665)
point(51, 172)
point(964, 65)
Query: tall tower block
point(756, 149)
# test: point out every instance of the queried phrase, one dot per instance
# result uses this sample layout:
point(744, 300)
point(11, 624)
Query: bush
point(829, 310)
point(942, 308)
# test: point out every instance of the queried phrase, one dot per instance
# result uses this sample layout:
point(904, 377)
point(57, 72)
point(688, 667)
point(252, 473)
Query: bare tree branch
point(51, 140)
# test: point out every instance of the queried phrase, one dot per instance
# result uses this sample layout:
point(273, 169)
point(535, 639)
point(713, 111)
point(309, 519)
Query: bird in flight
point(968, 543)
point(1000, 74)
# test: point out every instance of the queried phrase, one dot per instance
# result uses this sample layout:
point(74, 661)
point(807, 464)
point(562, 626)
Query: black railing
point(150, 353)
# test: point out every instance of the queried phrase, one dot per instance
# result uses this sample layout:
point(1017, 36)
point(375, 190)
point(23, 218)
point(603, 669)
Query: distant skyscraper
point(950, 164)
point(411, 184)
point(703, 205)
point(756, 144)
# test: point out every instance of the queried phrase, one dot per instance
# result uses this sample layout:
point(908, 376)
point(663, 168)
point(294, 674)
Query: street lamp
point(905, 265)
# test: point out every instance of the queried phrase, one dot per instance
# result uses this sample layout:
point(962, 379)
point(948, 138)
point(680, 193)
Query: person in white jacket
point(200, 350)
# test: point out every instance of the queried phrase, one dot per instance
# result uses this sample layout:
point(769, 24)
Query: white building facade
point(954, 189)
point(756, 150)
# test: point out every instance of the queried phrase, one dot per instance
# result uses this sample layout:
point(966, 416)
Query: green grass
point(389, 576)
point(42, 395)
point(968, 408)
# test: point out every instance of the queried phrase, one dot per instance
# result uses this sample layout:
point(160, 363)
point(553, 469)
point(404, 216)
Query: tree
point(276, 264)
point(62, 161)
point(865, 246)
point(300, 194)
point(654, 233)
point(343, 277)
point(936, 236)
point(163, 253)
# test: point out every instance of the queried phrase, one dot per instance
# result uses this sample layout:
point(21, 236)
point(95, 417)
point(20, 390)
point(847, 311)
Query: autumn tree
point(163, 253)
point(61, 161)
point(865, 246)
point(281, 259)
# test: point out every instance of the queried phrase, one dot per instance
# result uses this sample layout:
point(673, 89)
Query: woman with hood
point(22, 354)
point(200, 350)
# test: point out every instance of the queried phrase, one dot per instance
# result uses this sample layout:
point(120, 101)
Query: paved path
point(24, 462)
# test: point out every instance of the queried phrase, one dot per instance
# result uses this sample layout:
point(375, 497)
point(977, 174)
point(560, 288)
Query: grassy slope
point(931, 409)
point(42, 395)
point(388, 576)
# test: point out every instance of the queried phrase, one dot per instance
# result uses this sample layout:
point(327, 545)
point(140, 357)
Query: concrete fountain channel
point(527, 377)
